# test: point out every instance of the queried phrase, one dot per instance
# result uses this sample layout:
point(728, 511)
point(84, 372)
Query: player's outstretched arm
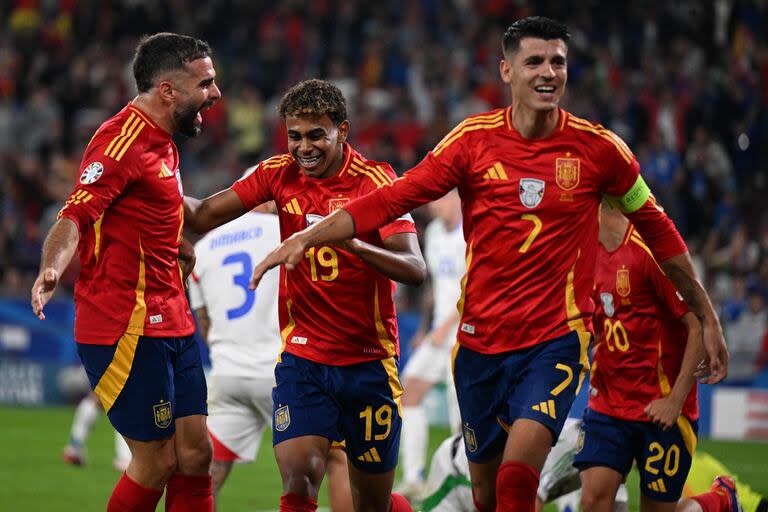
point(400, 259)
point(203, 215)
point(58, 249)
point(680, 271)
point(664, 411)
point(333, 228)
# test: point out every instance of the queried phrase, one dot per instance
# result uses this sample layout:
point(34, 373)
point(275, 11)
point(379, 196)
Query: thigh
point(190, 388)
point(664, 459)
point(239, 411)
point(133, 379)
point(370, 420)
point(371, 492)
point(303, 402)
point(604, 442)
point(550, 377)
point(480, 391)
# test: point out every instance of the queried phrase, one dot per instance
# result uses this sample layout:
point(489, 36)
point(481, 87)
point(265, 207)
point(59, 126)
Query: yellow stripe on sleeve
point(123, 130)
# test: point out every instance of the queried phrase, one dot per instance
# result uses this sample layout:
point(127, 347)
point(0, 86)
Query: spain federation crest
point(567, 172)
point(163, 414)
point(470, 441)
point(580, 440)
point(622, 282)
point(282, 418)
point(91, 173)
point(531, 192)
point(607, 300)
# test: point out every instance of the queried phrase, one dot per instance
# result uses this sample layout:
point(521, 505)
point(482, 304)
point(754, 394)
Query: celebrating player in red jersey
point(133, 325)
point(642, 403)
point(531, 178)
point(337, 373)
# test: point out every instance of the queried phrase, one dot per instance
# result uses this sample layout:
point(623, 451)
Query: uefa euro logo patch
point(91, 173)
point(282, 418)
point(163, 414)
point(608, 306)
point(531, 192)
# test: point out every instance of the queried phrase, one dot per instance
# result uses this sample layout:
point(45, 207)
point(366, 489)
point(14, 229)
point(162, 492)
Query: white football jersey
point(244, 337)
point(445, 258)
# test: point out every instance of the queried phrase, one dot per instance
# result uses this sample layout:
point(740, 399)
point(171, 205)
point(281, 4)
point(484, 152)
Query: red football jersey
point(530, 221)
point(640, 337)
point(129, 212)
point(334, 309)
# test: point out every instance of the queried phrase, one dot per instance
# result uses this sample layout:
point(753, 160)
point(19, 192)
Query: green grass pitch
point(33, 477)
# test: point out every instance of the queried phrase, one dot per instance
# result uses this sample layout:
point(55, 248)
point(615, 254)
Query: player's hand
point(717, 353)
point(42, 290)
point(663, 412)
point(288, 253)
point(187, 258)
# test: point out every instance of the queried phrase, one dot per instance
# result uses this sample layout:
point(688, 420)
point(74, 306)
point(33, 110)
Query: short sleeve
point(255, 188)
point(102, 179)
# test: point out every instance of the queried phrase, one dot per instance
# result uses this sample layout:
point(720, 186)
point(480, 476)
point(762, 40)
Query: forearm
point(693, 355)
point(403, 267)
point(440, 333)
point(202, 216)
point(203, 322)
point(60, 245)
point(334, 228)
point(679, 269)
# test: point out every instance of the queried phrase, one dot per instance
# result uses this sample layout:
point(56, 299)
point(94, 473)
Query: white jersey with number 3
point(244, 336)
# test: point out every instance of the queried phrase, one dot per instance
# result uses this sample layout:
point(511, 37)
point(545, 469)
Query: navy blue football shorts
point(539, 383)
point(357, 404)
point(663, 457)
point(144, 384)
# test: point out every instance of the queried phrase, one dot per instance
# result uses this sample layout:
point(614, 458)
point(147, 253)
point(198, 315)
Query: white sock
point(122, 452)
point(413, 443)
point(85, 416)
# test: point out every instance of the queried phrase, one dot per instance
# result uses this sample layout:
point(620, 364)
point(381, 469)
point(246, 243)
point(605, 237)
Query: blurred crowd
point(685, 83)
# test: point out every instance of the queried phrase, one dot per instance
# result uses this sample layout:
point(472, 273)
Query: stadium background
point(685, 83)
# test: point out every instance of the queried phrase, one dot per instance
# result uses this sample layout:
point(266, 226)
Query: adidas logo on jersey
point(299, 340)
point(547, 408)
point(293, 207)
point(370, 456)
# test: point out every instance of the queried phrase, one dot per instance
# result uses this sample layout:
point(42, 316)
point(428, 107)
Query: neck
point(151, 106)
point(534, 124)
point(612, 236)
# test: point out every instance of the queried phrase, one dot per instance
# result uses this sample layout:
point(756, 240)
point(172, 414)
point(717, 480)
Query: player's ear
point(343, 130)
point(166, 91)
point(505, 70)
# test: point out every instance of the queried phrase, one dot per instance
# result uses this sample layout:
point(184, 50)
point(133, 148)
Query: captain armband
point(633, 199)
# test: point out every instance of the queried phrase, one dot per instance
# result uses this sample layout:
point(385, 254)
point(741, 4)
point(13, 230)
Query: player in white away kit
point(430, 363)
point(240, 327)
point(448, 488)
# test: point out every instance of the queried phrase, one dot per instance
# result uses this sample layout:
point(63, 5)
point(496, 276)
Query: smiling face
point(316, 143)
point(195, 89)
point(536, 73)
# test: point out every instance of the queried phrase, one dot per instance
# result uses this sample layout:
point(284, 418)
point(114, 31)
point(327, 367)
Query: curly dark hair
point(314, 97)
point(163, 52)
point(533, 26)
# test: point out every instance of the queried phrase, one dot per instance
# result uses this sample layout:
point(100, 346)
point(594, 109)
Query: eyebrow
point(207, 81)
point(314, 131)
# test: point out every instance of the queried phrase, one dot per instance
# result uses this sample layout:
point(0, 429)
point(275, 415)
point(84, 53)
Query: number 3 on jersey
point(242, 279)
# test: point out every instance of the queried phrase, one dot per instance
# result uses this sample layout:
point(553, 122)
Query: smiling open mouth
point(309, 161)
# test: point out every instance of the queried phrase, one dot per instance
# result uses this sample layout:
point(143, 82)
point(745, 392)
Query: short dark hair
point(163, 52)
point(314, 97)
point(533, 26)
